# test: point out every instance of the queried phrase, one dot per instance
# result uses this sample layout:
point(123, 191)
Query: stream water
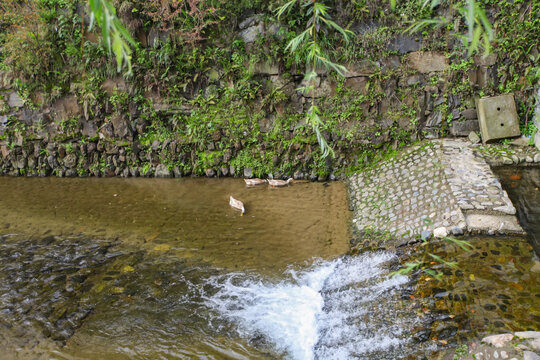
point(165, 269)
point(523, 187)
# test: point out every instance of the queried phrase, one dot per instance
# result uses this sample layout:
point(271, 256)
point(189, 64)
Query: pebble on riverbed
point(521, 345)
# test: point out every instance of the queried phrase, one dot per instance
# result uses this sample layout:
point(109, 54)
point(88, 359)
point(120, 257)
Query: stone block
point(405, 44)
point(483, 76)
point(488, 60)
point(505, 224)
point(357, 84)
point(162, 171)
point(529, 355)
point(4, 151)
point(469, 114)
point(116, 84)
point(498, 117)
point(156, 35)
point(266, 124)
point(250, 21)
point(14, 100)
point(464, 128)
point(498, 340)
point(473, 138)
point(251, 33)
point(440, 232)
point(361, 68)
point(120, 125)
point(428, 61)
point(266, 69)
point(390, 62)
point(89, 128)
point(528, 334)
point(3, 122)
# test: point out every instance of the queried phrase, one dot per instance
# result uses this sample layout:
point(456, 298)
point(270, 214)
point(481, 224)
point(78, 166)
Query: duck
point(253, 182)
point(278, 183)
point(237, 204)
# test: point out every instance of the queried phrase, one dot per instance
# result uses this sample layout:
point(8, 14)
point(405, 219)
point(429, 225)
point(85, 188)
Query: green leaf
point(452, 264)
point(285, 8)
point(409, 268)
point(293, 45)
point(115, 36)
point(464, 244)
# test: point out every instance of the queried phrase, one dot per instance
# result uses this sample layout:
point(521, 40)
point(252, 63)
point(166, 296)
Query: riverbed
point(166, 269)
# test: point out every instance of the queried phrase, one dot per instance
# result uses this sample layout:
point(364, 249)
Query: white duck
point(253, 182)
point(237, 204)
point(277, 183)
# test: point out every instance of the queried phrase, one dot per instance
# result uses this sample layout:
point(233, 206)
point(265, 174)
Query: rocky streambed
point(149, 284)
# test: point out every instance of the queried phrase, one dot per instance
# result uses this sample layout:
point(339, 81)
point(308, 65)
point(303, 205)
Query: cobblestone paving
point(472, 182)
point(406, 195)
point(442, 186)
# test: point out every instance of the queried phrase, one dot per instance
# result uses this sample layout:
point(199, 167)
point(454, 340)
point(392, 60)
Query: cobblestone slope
point(441, 186)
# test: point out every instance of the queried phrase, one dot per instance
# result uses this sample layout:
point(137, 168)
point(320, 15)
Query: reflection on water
point(523, 188)
point(494, 288)
point(189, 217)
point(138, 292)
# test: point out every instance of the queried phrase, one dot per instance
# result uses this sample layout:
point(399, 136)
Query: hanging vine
point(308, 43)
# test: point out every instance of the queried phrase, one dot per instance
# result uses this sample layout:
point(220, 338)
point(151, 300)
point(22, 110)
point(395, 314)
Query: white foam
point(315, 313)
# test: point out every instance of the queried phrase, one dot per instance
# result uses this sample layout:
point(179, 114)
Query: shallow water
point(56, 302)
point(165, 269)
point(523, 188)
point(190, 218)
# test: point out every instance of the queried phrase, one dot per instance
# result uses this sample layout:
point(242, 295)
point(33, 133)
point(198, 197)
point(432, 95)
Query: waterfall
point(333, 310)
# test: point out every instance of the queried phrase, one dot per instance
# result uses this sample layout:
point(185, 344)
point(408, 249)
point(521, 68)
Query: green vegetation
point(308, 42)
point(268, 94)
point(430, 263)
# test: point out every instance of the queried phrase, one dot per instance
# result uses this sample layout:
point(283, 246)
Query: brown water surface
point(190, 218)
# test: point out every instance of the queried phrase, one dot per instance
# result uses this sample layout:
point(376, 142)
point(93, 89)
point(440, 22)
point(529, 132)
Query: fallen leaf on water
point(117, 290)
point(127, 268)
point(162, 247)
point(516, 286)
point(152, 237)
point(515, 177)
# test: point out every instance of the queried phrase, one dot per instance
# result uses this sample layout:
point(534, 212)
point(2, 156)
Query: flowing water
point(165, 269)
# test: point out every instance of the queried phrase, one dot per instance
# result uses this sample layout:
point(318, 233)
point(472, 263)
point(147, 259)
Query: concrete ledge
point(505, 224)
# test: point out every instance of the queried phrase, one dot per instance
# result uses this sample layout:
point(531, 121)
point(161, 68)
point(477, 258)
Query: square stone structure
point(498, 117)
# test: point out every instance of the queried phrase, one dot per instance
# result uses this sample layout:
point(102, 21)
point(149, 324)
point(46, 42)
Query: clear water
point(523, 188)
point(165, 269)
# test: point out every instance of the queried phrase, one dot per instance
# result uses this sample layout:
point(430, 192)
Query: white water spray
point(327, 312)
